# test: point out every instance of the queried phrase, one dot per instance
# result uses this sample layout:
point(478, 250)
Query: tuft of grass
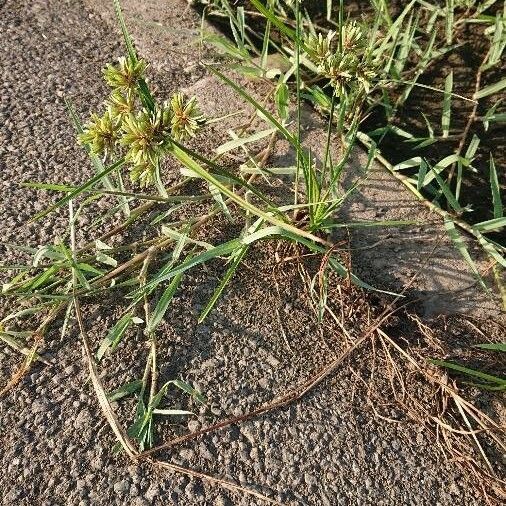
point(346, 69)
point(128, 142)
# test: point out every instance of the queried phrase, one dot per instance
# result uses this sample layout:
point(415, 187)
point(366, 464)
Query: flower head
point(143, 173)
point(352, 36)
point(341, 69)
point(145, 135)
point(319, 48)
point(121, 104)
point(186, 118)
point(101, 134)
point(348, 65)
point(125, 74)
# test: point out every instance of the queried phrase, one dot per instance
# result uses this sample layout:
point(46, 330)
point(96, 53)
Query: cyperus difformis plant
point(129, 129)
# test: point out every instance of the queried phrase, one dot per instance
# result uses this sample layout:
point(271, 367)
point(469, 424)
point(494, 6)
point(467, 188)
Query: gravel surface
point(56, 449)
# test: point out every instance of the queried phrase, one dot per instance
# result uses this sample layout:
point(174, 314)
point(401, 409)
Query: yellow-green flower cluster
point(102, 133)
point(125, 75)
point(145, 135)
point(320, 48)
point(186, 118)
point(120, 104)
point(142, 136)
point(346, 63)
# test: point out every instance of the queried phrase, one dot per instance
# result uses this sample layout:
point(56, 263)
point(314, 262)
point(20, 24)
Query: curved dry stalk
point(124, 439)
point(113, 422)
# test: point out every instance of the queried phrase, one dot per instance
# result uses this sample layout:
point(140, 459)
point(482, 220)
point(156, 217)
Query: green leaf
point(127, 389)
point(182, 385)
point(188, 157)
point(471, 372)
point(447, 193)
point(265, 113)
point(496, 192)
point(114, 336)
point(126, 36)
point(80, 189)
point(218, 197)
point(439, 167)
point(162, 305)
point(462, 249)
point(408, 164)
point(421, 174)
point(270, 16)
point(491, 225)
point(406, 43)
point(106, 259)
point(220, 250)
point(227, 47)
point(493, 347)
point(472, 148)
point(237, 257)
point(491, 89)
point(70, 259)
point(182, 155)
point(282, 100)
point(10, 338)
point(490, 248)
point(241, 141)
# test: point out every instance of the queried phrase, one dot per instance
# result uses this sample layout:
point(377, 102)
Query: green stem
point(191, 164)
point(298, 84)
point(329, 134)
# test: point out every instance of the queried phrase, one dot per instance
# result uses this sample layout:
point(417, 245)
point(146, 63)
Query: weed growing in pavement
point(133, 134)
point(362, 65)
point(346, 71)
point(350, 68)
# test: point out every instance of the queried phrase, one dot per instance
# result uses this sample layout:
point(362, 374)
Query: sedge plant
point(128, 142)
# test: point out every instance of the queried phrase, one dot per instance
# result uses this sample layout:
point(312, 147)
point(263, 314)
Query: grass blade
point(491, 89)
point(162, 305)
point(471, 372)
point(493, 347)
point(237, 258)
point(447, 105)
point(79, 190)
point(115, 335)
point(126, 36)
point(462, 249)
point(125, 390)
point(496, 192)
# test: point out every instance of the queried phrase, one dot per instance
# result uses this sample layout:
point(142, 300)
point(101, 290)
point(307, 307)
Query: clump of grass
point(376, 64)
point(133, 135)
point(344, 72)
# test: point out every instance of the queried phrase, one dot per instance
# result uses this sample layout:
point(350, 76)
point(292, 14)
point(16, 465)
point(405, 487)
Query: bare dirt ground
point(56, 448)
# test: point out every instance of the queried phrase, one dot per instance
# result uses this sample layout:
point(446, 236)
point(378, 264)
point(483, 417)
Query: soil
point(330, 448)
